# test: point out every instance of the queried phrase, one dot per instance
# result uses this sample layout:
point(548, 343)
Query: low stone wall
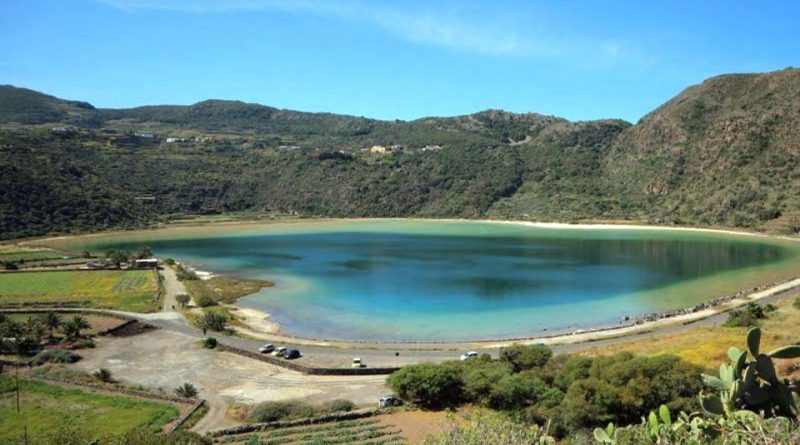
point(253, 427)
point(118, 390)
point(295, 366)
point(182, 419)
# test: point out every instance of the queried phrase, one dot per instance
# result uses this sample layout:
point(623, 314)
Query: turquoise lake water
point(457, 280)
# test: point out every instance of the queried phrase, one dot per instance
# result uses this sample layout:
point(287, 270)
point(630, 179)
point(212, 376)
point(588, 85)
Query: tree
point(144, 252)
point(428, 384)
point(86, 254)
point(214, 321)
point(103, 374)
point(9, 265)
point(187, 390)
point(73, 327)
point(117, 257)
point(524, 357)
point(183, 299)
point(52, 321)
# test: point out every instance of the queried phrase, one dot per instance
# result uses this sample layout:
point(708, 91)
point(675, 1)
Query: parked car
point(389, 401)
point(278, 352)
point(469, 354)
point(357, 363)
point(291, 354)
point(266, 349)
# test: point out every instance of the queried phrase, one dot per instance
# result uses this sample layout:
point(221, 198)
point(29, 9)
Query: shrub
point(203, 300)
point(749, 316)
point(796, 303)
point(620, 387)
point(491, 429)
point(55, 356)
point(524, 357)
point(338, 405)
point(280, 410)
point(428, 385)
point(213, 321)
point(169, 262)
point(210, 342)
point(186, 390)
point(183, 299)
point(103, 374)
point(84, 343)
point(479, 379)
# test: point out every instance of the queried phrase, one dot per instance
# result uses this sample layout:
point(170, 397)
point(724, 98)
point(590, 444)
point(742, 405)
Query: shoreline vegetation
point(256, 323)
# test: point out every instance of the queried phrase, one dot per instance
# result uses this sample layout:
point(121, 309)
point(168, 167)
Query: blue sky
point(392, 59)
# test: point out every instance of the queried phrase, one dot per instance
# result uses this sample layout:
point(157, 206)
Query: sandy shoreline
point(226, 225)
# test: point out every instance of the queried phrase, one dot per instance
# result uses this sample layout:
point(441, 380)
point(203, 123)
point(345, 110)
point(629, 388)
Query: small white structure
point(145, 263)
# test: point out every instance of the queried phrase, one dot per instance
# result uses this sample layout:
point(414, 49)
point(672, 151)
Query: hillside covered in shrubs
point(722, 153)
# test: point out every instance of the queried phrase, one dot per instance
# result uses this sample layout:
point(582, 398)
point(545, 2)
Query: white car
point(357, 363)
point(467, 355)
point(389, 401)
point(278, 352)
point(266, 349)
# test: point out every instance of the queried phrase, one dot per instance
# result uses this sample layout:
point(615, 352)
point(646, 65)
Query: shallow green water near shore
point(446, 280)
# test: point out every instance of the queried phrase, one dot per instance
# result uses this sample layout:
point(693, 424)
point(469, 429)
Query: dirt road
point(172, 288)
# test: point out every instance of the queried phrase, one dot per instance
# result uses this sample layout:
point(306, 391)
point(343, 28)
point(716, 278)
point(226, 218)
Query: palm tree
point(74, 326)
point(103, 374)
point(187, 390)
point(35, 330)
point(52, 321)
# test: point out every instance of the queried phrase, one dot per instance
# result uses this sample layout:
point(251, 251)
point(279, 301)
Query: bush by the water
point(574, 392)
point(213, 321)
point(55, 356)
point(295, 409)
point(203, 300)
point(749, 316)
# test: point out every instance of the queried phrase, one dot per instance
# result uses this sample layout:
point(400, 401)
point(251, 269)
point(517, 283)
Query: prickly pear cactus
point(752, 385)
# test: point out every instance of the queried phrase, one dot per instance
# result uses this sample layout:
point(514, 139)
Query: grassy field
point(708, 347)
point(124, 290)
point(224, 289)
point(361, 432)
point(12, 252)
point(44, 407)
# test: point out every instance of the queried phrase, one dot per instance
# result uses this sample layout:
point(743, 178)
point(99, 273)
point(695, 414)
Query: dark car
point(291, 354)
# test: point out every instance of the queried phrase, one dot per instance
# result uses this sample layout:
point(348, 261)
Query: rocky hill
point(725, 153)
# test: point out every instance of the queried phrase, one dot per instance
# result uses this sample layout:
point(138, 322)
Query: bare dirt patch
point(163, 359)
point(417, 425)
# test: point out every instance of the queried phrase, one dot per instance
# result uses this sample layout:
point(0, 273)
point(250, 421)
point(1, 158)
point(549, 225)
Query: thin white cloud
point(443, 29)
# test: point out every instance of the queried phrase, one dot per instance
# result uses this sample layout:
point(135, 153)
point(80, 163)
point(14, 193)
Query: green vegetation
point(80, 433)
point(46, 407)
point(752, 385)
point(574, 392)
point(123, 290)
point(357, 432)
point(750, 315)
point(295, 409)
point(250, 158)
point(186, 390)
point(222, 289)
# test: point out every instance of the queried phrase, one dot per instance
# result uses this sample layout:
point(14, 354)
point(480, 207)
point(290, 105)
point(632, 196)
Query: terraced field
point(357, 432)
point(10, 252)
point(112, 289)
point(45, 407)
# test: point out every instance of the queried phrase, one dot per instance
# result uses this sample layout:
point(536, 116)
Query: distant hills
point(722, 153)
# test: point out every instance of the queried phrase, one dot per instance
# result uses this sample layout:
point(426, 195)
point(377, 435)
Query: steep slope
point(726, 151)
point(24, 106)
